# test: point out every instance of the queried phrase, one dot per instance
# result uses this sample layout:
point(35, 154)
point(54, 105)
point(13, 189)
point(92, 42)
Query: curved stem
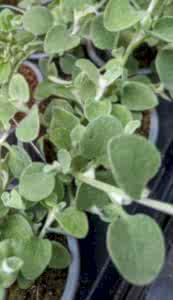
point(50, 219)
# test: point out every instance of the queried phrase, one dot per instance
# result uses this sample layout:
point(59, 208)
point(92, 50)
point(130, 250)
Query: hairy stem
point(109, 189)
point(50, 219)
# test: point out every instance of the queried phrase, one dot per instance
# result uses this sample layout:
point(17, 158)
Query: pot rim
point(73, 271)
point(35, 69)
point(154, 126)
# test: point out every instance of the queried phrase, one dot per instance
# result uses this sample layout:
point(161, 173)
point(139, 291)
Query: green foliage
point(138, 96)
point(164, 67)
point(80, 123)
point(133, 155)
point(28, 129)
point(35, 184)
point(60, 256)
point(38, 20)
point(58, 40)
point(36, 255)
point(16, 227)
point(137, 248)
point(18, 160)
point(119, 15)
point(97, 135)
point(69, 221)
point(19, 89)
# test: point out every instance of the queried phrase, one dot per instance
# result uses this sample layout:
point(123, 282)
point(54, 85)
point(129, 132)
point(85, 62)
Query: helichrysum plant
point(99, 163)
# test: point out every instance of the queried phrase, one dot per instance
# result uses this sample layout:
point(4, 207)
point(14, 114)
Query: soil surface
point(49, 286)
point(145, 127)
point(32, 80)
point(9, 2)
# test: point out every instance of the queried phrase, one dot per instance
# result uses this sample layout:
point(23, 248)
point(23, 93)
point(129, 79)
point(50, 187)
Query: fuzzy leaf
point(19, 89)
point(35, 184)
point(119, 15)
point(164, 66)
point(76, 135)
point(97, 109)
point(38, 20)
point(102, 38)
point(137, 248)
point(122, 113)
point(88, 197)
point(5, 70)
point(64, 119)
point(89, 69)
point(36, 255)
point(12, 200)
point(134, 161)
point(60, 256)
point(60, 137)
point(97, 135)
point(164, 29)
point(29, 127)
point(138, 96)
point(7, 110)
point(64, 159)
point(16, 227)
point(58, 40)
point(18, 160)
point(74, 222)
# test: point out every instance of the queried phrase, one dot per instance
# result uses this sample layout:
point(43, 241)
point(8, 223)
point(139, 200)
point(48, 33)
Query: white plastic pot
point(35, 69)
point(154, 127)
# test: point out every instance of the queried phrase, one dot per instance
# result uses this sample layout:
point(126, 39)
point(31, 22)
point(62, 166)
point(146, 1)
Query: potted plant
point(82, 125)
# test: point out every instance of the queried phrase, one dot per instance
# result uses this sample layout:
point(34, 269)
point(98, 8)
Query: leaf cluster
point(91, 115)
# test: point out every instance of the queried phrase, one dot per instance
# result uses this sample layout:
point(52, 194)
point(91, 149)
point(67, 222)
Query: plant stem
point(152, 6)
point(50, 219)
point(109, 189)
point(155, 204)
point(133, 45)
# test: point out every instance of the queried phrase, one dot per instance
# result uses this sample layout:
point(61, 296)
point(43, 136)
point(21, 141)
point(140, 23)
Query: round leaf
point(134, 161)
point(89, 69)
point(29, 127)
point(60, 256)
point(119, 15)
point(164, 66)
point(164, 29)
point(35, 184)
point(19, 89)
point(74, 222)
point(137, 248)
point(38, 20)
point(16, 227)
point(36, 255)
point(98, 133)
point(18, 160)
point(58, 40)
point(102, 38)
point(138, 96)
point(88, 196)
point(95, 109)
point(122, 113)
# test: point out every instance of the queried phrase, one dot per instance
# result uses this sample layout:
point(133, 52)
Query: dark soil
point(32, 80)
point(145, 127)
point(9, 2)
point(49, 286)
